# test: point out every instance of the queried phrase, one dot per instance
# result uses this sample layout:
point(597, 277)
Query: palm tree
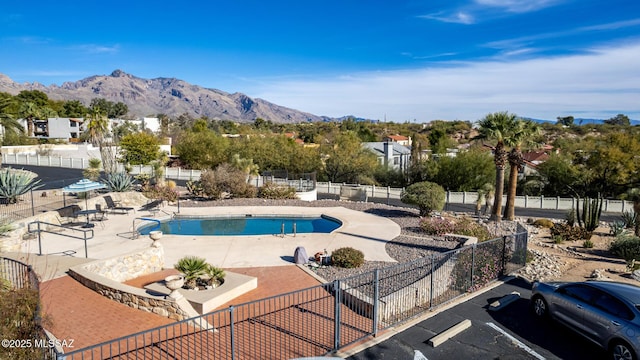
point(30, 111)
point(498, 126)
point(7, 121)
point(97, 128)
point(523, 133)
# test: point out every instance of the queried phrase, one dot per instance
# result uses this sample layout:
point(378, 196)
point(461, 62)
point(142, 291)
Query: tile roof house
point(391, 154)
point(400, 139)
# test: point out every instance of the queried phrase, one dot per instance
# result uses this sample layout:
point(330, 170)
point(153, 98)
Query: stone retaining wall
point(129, 266)
point(93, 276)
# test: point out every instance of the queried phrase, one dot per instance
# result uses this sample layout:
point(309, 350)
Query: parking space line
point(516, 341)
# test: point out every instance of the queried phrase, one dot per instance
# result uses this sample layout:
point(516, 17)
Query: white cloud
point(601, 84)
point(518, 6)
point(459, 17)
point(98, 49)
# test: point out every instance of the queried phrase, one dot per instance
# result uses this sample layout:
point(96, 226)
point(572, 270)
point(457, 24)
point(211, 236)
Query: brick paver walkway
point(88, 318)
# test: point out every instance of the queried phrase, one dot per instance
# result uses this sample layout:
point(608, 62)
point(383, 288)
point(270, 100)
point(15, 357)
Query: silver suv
point(604, 312)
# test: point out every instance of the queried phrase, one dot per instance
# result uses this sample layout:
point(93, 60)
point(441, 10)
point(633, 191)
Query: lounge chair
point(68, 214)
point(152, 206)
point(114, 208)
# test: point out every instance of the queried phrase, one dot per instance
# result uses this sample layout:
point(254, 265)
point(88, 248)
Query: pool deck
point(114, 236)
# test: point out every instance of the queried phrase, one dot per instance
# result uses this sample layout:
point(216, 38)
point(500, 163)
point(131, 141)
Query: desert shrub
point(226, 182)
point(347, 257)
point(626, 247)
point(6, 225)
point(271, 190)
point(569, 233)
point(194, 187)
point(468, 227)
point(436, 226)
point(19, 313)
point(570, 217)
point(557, 239)
point(544, 223)
point(588, 244)
point(616, 228)
point(161, 192)
point(426, 195)
point(477, 266)
point(629, 219)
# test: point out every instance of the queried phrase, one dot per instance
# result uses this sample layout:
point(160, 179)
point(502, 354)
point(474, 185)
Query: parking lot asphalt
point(509, 333)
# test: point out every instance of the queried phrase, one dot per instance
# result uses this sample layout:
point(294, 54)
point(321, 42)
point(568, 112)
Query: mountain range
point(170, 96)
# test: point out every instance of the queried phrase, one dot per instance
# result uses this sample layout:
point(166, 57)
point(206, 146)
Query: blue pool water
point(245, 225)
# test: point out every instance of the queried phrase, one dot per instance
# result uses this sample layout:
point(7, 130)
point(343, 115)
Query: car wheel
point(620, 350)
point(539, 307)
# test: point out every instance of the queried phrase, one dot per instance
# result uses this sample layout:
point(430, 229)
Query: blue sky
point(394, 60)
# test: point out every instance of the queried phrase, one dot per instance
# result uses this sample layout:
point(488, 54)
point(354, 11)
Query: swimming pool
point(244, 225)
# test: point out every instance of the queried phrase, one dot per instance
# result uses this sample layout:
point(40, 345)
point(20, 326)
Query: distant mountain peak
point(165, 95)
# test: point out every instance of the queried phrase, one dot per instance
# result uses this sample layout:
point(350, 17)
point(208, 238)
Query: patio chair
point(68, 215)
point(101, 213)
point(152, 206)
point(114, 208)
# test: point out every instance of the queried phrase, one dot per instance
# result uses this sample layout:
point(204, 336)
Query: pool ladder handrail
point(134, 230)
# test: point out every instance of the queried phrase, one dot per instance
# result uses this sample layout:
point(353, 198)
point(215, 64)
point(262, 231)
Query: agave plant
point(14, 183)
point(192, 267)
point(119, 182)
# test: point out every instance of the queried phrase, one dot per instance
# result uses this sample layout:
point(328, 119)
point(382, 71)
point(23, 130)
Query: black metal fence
point(46, 198)
point(17, 275)
point(326, 318)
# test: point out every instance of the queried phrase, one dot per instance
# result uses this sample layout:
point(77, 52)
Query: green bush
point(626, 247)
point(271, 190)
point(226, 181)
point(19, 312)
point(557, 239)
point(468, 227)
point(426, 195)
point(588, 244)
point(347, 257)
point(544, 223)
point(616, 228)
point(437, 226)
point(629, 219)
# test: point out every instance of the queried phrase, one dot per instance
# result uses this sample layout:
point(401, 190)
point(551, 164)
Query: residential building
point(391, 154)
point(400, 139)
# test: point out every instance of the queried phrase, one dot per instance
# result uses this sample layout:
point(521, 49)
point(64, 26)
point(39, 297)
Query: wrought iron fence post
point(376, 300)
point(433, 260)
point(504, 254)
point(232, 333)
point(473, 263)
point(336, 325)
point(33, 205)
point(39, 239)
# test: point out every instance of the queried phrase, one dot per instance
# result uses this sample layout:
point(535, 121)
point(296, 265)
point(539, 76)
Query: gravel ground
point(410, 245)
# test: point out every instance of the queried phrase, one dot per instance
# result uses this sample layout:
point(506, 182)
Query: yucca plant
point(14, 183)
point(119, 182)
point(192, 267)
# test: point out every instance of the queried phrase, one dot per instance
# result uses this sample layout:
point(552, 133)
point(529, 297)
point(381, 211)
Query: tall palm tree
point(498, 126)
point(522, 134)
point(8, 123)
point(97, 128)
point(30, 111)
